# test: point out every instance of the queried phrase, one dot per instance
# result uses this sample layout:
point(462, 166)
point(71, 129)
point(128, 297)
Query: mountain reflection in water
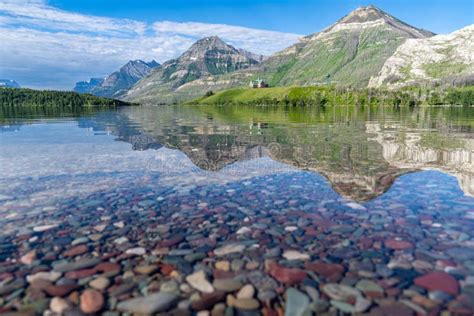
point(301, 197)
point(361, 151)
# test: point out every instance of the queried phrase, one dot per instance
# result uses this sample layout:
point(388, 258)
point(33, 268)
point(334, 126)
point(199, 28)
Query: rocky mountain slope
point(207, 57)
point(87, 86)
point(441, 59)
point(347, 53)
point(8, 83)
point(117, 83)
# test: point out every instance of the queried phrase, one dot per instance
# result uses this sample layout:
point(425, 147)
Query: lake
point(322, 209)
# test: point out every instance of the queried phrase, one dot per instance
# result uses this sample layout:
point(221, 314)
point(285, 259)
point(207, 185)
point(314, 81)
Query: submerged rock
point(295, 255)
point(229, 249)
point(44, 228)
point(398, 244)
point(286, 275)
point(438, 281)
point(199, 281)
point(296, 302)
point(153, 303)
point(59, 305)
point(246, 303)
point(92, 301)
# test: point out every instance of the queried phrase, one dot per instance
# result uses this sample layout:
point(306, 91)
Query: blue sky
point(302, 16)
point(52, 44)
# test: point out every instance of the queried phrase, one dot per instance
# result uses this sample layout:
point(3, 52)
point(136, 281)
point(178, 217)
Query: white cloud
point(257, 41)
point(37, 14)
point(44, 47)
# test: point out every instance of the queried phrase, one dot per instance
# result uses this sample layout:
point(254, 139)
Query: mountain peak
point(364, 14)
point(8, 83)
point(214, 45)
point(368, 17)
point(209, 43)
point(211, 39)
point(119, 81)
point(208, 56)
point(138, 64)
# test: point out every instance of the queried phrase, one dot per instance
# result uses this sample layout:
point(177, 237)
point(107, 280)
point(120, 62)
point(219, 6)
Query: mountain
point(251, 55)
point(439, 59)
point(117, 83)
point(209, 56)
point(7, 83)
point(87, 86)
point(120, 81)
point(347, 53)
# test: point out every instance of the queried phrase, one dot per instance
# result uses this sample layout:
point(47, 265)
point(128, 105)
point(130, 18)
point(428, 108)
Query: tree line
point(27, 97)
point(328, 96)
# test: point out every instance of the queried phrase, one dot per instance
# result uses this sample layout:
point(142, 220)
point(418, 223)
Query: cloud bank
point(45, 47)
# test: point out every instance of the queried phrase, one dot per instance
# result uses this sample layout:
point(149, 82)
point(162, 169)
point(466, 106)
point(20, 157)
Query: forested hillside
point(29, 97)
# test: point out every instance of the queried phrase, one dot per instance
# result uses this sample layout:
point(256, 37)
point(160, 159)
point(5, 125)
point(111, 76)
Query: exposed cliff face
point(442, 58)
point(208, 56)
point(117, 83)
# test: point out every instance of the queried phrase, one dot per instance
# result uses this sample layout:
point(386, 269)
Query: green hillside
point(347, 54)
point(329, 96)
point(367, 48)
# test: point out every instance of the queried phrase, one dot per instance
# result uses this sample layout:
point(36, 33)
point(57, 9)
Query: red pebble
point(92, 301)
point(286, 275)
point(438, 281)
point(80, 274)
point(171, 242)
point(61, 290)
point(398, 244)
point(166, 269)
point(327, 270)
point(79, 250)
point(108, 267)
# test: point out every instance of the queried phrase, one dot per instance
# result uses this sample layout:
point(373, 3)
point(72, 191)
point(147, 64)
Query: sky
point(53, 44)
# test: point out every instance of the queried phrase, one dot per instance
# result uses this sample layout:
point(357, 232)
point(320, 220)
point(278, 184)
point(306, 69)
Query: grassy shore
point(327, 96)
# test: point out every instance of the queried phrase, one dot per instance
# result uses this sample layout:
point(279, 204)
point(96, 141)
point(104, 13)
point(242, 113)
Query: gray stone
point(154, 303)
point(199, 281)
point(229, 249)
point(266, 295)
point(170, 287)
point(461, 253)
point(227, 285)
point(76, 265)
point(296, 302)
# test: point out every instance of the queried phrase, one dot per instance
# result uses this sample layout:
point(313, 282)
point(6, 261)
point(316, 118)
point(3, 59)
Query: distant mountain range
point(366, 48)
point(117, 83)
point(88, 86)
point(7, 83)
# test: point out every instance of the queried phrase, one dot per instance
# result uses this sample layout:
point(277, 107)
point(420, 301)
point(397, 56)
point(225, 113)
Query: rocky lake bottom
point(174, 211)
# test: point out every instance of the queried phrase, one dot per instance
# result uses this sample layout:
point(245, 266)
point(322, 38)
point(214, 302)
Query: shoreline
point(332, 96)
